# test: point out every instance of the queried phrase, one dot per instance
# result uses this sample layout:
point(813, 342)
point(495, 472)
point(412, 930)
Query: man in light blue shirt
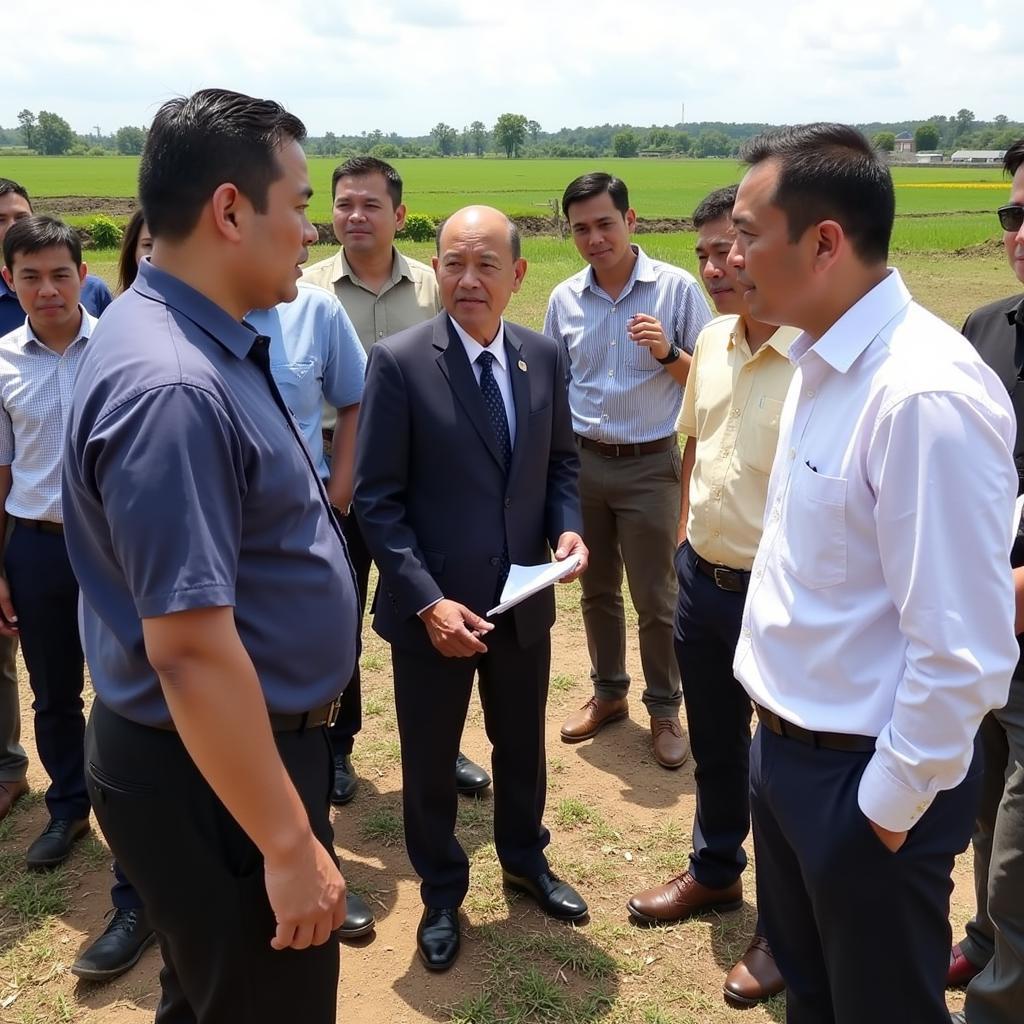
point(629, 324)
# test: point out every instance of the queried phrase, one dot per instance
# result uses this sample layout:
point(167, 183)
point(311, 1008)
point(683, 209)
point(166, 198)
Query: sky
point(405, 65)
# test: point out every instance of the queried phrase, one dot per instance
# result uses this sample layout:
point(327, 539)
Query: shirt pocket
point(300, 387)
point(813, 547)
point(761, 434)
point(637, 359)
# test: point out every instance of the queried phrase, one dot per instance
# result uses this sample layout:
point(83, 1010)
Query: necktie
point(496, 411)
point(495, 407)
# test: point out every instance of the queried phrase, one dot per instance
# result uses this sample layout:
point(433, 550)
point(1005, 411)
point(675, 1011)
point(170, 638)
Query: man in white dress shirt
point(878, 629)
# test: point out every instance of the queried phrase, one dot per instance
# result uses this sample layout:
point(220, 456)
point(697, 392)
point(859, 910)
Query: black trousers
point(201, 877)
point(718, 710)
point(431, 696)
point(826, 886)
point(350, 709)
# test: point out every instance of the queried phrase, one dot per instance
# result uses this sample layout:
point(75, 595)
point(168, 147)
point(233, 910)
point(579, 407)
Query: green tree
point(27, 122)
point(625, 144)
point(964, 119)
point(129, 140)
point(53, 134)
point(478, 134)
point(386, 151)
point(926, 138)
point(510, 133)
point(533, 128)
point(712, 143)
point(885, 141)
point(446, 137)
point(1000, 120)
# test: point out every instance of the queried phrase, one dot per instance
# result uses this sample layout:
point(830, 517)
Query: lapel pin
point(522, 366)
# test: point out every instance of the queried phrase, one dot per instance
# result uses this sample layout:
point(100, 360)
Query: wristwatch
point(673, 354)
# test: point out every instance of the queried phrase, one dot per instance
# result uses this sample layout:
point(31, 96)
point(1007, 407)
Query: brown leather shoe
point(754, 978)
point(682, 897)
point(592, 717)
point(670, 746)
point(10, 794)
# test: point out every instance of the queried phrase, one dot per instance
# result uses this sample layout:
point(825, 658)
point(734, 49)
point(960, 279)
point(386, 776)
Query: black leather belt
point(829, 740)
point(733, 580)
point(40, 525)
point(300, 722)
point(618, 451)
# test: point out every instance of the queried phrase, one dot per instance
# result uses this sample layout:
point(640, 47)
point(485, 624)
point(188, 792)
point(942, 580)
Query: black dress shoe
point(556, 898)
point(437, 937)
point(344, 780)
point(54, 845)
point(127, 937)
point(469, 777)
point(359, 920)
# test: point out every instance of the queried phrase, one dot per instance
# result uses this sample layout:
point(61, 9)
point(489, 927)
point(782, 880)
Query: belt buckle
point(332, 715)
point(725, 579)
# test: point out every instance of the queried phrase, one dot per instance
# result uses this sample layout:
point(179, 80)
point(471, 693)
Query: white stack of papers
point(526, 580)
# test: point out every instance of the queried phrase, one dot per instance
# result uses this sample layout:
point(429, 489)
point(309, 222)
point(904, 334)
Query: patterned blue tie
point(495, 407)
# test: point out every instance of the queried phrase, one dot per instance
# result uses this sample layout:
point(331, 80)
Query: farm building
point(928, 156)
point(979, 156)
point(904, 143)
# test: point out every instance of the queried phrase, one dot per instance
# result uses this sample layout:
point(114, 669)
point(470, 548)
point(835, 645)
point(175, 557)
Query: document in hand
point(526, 580)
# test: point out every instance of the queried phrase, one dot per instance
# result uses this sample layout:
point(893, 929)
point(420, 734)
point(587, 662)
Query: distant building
point(927, 156)
point(979, 156)
point(904, 143)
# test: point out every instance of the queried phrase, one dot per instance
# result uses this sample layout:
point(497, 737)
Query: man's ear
point(227, 209)
point(631, 219)
point(400, 217)
point(830, 241)
point(520, 272)
point(83, 270)
point(8, 277)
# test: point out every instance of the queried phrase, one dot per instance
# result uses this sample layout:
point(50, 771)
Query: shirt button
point(613, 344)
point(746, 633)
point(508, 503)
point(495, 561)
point(717, 534)
point(605, 416)
point(611, 373)
point(735, 412)
point(792, 453)
point(810, 392)
point(775, 516)
point(380, 334)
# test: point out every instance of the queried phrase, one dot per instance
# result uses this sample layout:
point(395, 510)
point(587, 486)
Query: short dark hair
point(199, 142)
point(1013, 158)
point(515, 239)
point(715, 205)
point(127, 264)
point(7, 187)
point(830, 172)
point(33, 234)
point(360, 167)
point(586, 186)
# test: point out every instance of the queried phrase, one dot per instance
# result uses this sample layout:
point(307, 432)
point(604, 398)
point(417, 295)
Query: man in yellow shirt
point(730, 417)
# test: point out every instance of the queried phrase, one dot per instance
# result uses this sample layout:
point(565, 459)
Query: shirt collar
point(84, 332)
point(474, 348)
point(851, 334)
point(399, 267)
point(780, 340)
point(643, 270)
point(156, 284)
point(1016, 314)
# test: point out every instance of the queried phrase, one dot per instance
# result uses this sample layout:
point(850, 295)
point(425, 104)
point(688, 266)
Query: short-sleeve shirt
point(731, 406)
point(409, 298)
point(315, 358)
point(187, 485)
point(618, 392)
point(95, 298)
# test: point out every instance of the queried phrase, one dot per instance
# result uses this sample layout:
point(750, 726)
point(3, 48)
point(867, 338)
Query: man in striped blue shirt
point(629, 324)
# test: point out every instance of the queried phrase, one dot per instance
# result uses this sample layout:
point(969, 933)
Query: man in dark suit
point(465, 462)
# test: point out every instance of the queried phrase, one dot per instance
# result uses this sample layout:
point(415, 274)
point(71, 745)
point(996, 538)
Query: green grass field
point(658, 188)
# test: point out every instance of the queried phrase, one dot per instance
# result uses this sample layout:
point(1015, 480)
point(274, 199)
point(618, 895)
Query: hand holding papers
point(526, 580)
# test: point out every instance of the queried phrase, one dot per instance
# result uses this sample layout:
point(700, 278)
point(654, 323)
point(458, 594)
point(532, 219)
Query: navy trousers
point(826, 887)
point(718, 710)
point(44, 592)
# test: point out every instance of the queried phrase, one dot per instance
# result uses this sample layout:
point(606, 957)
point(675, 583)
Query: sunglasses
point(1011, 216)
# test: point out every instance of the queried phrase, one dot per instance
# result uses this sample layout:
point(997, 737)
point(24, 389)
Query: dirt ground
point(619, 823)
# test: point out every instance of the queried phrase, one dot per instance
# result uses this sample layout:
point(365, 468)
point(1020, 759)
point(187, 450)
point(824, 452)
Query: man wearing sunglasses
point(992, 953)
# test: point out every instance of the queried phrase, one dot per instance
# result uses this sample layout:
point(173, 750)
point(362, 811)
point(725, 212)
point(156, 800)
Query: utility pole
point(97, 127)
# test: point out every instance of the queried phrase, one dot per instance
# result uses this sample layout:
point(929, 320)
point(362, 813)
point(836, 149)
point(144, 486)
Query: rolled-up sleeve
point(941, 466)
point(167, 467)
point(692, 316)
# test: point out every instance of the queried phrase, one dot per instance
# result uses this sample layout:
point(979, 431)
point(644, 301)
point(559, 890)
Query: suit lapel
point(454, 364)
point(520, 396)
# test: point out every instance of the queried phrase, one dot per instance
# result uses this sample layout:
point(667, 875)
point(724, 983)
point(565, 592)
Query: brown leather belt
point(40, 525)
point(300, 722)
point(618, 451)
point(829, 740)
point(733, 580)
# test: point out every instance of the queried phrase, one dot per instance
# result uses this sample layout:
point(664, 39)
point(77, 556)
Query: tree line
point(515, 135)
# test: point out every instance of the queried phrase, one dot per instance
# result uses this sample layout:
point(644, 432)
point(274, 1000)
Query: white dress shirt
point(35, 397)
point(499, 368)
point(881, 601)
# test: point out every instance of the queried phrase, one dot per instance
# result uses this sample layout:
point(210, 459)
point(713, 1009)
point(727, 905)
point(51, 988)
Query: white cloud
point(403, 65)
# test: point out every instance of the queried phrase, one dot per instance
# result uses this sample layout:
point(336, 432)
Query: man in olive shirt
point(383, 293)
point(734, 393)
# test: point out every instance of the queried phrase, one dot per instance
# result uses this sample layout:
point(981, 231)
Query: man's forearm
point(689, 457)
point(1018, 601)
point(680, 369)
point(343, 457)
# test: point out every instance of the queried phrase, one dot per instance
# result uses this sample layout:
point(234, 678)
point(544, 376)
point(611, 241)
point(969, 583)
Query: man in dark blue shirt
point(218, 602)
point(15, 205)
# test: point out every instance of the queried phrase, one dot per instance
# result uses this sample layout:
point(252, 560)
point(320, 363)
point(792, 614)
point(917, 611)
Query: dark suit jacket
point(431, 493)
